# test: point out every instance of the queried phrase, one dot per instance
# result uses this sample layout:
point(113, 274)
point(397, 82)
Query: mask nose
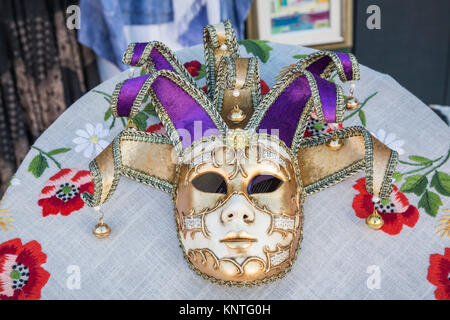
point(237, 210)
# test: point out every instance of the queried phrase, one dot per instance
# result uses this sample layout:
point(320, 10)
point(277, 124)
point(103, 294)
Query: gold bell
point(101, 230)
point(335, 143)
point(236, 115)
point(351, 103)
point(375, 221)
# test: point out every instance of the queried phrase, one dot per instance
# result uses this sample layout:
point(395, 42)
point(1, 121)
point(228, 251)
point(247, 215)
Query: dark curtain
point(43, 70)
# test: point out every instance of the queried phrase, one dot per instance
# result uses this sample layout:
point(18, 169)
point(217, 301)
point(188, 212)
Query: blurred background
point(53, 51)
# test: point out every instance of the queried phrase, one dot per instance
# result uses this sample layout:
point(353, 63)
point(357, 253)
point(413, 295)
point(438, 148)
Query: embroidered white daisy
point(90, 140)
point(390, 139)
point(15, 181)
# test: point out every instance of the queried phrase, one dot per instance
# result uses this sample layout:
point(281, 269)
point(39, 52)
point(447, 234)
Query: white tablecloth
point(340, 257)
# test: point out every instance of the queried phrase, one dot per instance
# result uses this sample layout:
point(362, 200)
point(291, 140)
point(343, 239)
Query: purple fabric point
point(187, 115)
point(137, 52)
point(159, 61)
point(347, 64)
point(128, 93)
point(328, 96)
point(319, 66)
point(285, 112)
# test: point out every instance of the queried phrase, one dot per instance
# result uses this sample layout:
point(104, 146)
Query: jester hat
point(238, 165)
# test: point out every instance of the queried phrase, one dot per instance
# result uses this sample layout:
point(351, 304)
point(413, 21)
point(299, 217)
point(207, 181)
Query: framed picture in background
point(322, 24)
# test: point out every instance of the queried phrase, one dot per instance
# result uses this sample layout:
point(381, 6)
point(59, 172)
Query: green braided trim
point(94, 200)
point(344, 134)
point(128, 54)
point(226, 79)
point(117, 158)
point(168, 55)
point(115, 98)
point(210, 42)
point(340, 105)
point(141, 176)
point(386, 187)
point(145, 178)
point(142, 136)
point(335, 178)
point(301, 125)
point(231, 38)
point(335, 64)
point(254, 78)
point(355, 66)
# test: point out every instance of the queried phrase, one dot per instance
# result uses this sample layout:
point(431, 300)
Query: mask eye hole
point(210, 182)
point(263, 183)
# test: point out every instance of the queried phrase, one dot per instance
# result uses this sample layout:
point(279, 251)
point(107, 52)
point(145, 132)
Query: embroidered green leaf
point(150, 109)
point(113, 122)
point(419, 159)
point(431, 202)
point(362, 117)
point(58, 151)
point(259, 48)
point(201, 73)
point(385, 201)
point(300, 56)
point(143, 71)
point(415, 184)
point(441, 182)
point(141, 120)
point(318, 126)
point(38, 165)
point(108, 114)
point(397, 176)
point(103, 93)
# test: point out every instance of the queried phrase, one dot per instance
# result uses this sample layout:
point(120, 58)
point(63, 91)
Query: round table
point(340, 257)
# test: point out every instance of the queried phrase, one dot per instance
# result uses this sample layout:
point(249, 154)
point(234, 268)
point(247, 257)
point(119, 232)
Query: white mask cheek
point(217, 230)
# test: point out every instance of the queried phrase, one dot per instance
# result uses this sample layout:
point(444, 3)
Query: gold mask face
point(238, 209)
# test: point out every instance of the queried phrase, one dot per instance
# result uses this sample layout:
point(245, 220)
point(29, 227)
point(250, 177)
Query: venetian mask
point(237, 164)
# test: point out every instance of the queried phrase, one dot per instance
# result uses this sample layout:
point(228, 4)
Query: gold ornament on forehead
point(238, 138)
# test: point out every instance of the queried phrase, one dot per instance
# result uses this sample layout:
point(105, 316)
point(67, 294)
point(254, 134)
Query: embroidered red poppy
point(439, 274)
point(61, 193)
point(193, 67)
point(21, 274)
point(314, 127)
point(264, 88)
point(156, 128)
point(396, 212)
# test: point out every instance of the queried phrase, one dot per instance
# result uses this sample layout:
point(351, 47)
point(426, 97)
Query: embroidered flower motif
point(314, 127)
point(157, 128)
point(90, 140)
point(439, 274)
point(61, 193)
point(264, 88)
point(15, 181)
point(390, 140)
point(396, 212)
point(21, 274)
point(193, 67)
